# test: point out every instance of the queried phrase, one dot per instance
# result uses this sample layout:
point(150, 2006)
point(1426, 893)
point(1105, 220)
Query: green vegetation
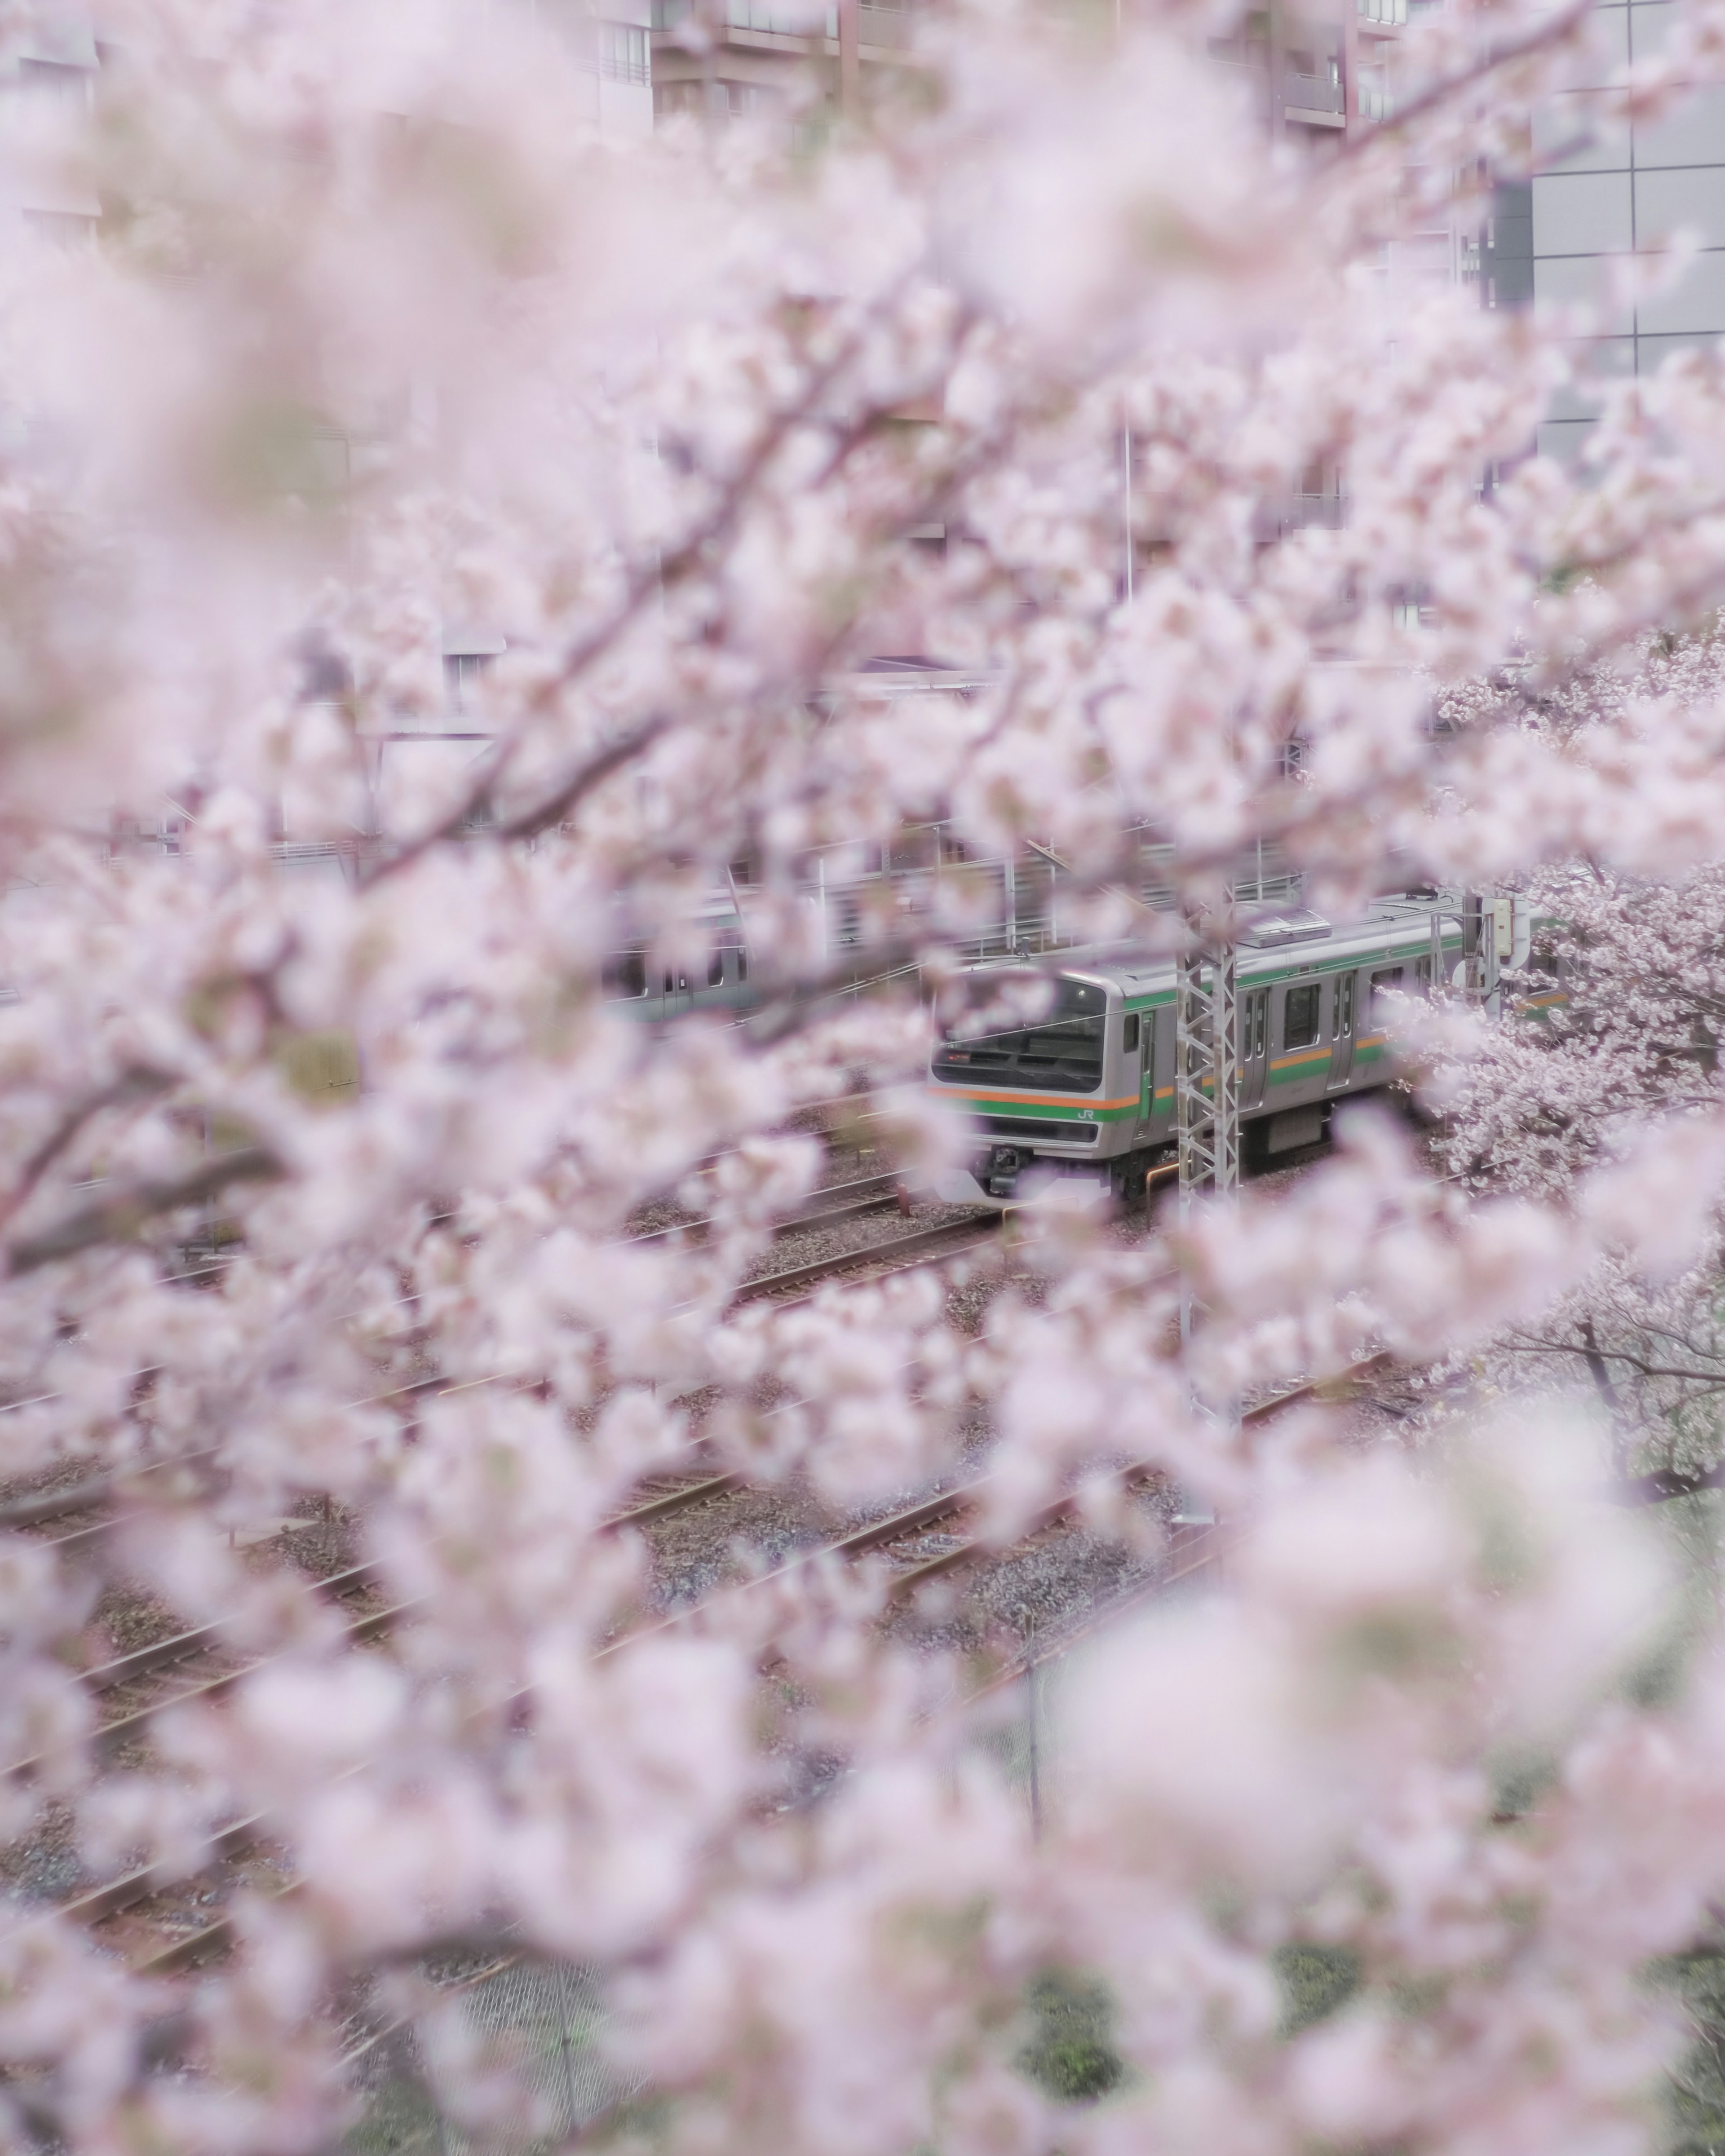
point(1695, 2089)
point(1314, 1981)
point(1071, 2054)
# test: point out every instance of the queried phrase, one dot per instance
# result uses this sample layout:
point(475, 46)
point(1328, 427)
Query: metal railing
point(878, 24)
point(884, 27)
point(993, 909)
point(1312, 92)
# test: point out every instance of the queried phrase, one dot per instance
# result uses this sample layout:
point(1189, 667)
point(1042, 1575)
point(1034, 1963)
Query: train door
point(1342, 1052)
point(1138, 1040)
point(1253, 1046)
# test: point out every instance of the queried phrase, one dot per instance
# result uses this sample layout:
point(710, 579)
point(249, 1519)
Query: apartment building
point(56, 59)
point(1316, 69)
point(760, 49)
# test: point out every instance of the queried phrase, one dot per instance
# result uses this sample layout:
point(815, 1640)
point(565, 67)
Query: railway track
point(867, 1193)
point(917, 1246)
point(834, 1204)
point(924, 1246)
point(100, 1905)
point(118, 1681)
point(920, 1246)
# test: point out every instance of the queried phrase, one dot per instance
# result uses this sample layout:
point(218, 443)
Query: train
point(1088, 1087)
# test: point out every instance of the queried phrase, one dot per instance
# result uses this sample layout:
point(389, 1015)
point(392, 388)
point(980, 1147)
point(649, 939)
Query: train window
point(1344, 1005)
point(1129, 1033)
point(1299, 1016)
point(1390, 977)
point(1059, 1050)
point(743, 963)
point(716, 970)
point(624, 975)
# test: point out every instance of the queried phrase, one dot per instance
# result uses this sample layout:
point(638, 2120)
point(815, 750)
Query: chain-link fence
point(530, 2039)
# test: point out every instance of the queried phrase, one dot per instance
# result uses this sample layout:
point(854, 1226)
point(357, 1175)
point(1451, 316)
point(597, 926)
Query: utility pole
point(850, 59)
point(1473, 946)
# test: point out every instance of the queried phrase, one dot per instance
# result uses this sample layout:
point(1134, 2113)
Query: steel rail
point(1202, 1550)
point(134, 1887)
point(96, 1489)
point(873, 1535)
point(931, 1241)
point(868, 1194)
point(180, 1646)
point(138, 1886)
point(663, 1506)
point(1134, 1475)
point(118, 1895)
point(1195, 1556)
point(119, 1479)
point(360, 1629)
point(183, 1646)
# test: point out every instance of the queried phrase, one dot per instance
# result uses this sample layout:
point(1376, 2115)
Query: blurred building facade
point(1601, 200)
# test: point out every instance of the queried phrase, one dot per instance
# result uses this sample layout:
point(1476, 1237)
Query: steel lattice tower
point(1207, 1070)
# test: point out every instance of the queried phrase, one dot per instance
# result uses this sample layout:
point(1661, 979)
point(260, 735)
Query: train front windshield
point(1061, 1052)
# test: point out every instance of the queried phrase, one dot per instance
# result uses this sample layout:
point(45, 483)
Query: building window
point(462, 672)
point(760, 15)
point(721, 100)
point(623, 53)
point(671, 98)
point(57, 80)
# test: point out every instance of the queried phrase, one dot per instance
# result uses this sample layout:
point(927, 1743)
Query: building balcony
point(885, 29)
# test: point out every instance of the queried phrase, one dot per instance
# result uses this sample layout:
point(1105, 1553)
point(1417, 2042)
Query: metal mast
point(1206, 1096)
point(1207, 1068)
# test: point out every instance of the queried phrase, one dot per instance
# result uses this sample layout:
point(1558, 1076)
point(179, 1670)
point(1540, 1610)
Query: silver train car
point(654, 990)
point(1089, 1085)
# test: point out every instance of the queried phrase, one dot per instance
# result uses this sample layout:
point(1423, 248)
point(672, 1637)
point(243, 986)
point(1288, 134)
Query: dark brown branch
point(581, 780)
point(646, 579)
point(1607, 1391)
point(1712, 1380)
point(117, 1218)
point(138, 1083)
point(1666, 1483)
point(1440, 93)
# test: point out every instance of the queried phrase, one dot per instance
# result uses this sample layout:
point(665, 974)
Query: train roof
point(1275, 943)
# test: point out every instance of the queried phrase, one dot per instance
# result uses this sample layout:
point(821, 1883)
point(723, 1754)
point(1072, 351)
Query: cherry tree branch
point(1440, 93)
point(647, 578)
point(140, 1082)
point(1664, 1484)
point(117, 1218)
